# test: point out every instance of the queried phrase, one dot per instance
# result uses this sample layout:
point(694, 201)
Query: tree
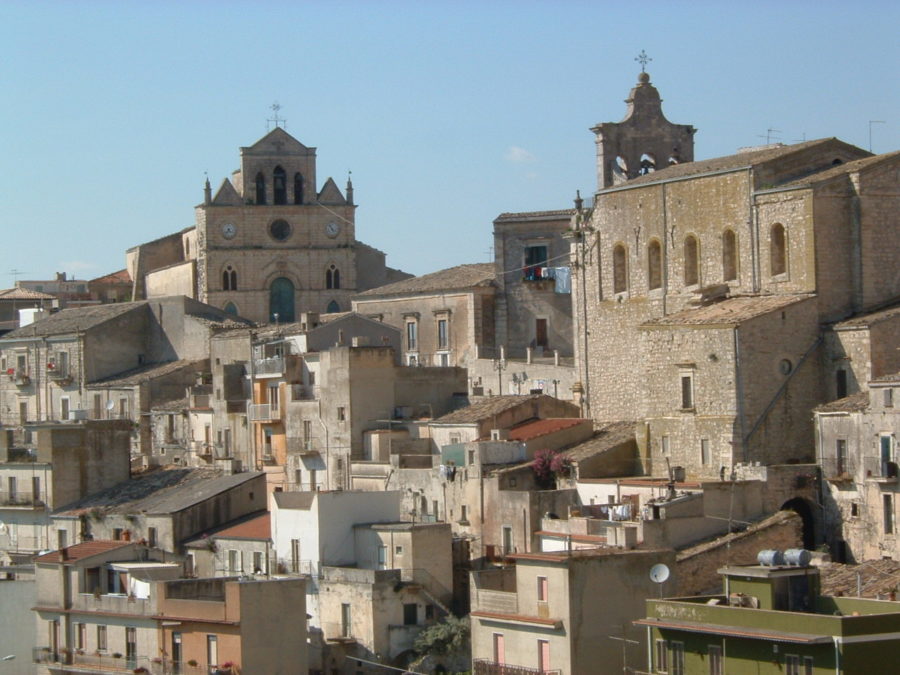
point(443, 638)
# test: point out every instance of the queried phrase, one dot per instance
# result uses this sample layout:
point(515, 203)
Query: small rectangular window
point(341, 414)
point(677, 658)
point(410, 614)
point(715, 660)
point(687, 391)
point(664, 445)
point(888, 514)
point(443, 339)
point(704, 452)
point(542, 589)
point(840, 451)
point(888, 398)
point(792, 664)
point(151, 537)
point(662, 656)
point(464, 514)
point(101, 637)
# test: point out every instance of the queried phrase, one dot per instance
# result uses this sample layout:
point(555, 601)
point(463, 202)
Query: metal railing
point(876, 467)
point(488, 667)
point(273, 365)
point(264, 412)
point(110, 661)
point(20, 499)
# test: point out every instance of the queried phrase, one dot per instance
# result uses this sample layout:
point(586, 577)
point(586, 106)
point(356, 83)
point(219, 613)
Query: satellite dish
point(110, 405)
point(659, 573)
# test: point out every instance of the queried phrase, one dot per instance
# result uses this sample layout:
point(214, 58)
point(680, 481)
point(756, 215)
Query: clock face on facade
point(229, 230)
point(332, 229)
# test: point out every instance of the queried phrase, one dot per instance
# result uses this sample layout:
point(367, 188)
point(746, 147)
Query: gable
point(331, 194)
point(277, 142)
point(227, 195)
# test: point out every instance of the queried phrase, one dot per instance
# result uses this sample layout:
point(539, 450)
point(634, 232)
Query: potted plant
point(192, 663)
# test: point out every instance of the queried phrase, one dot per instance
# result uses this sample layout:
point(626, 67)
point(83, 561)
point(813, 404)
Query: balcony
point(202, 448)
point(20, 376)
point(488, 667)
point(264, 412)
point(59, 374)
point(880, 470)
point(21, 500)
point(303, 392)
point(77, 661)
point(271, 366)
point(299, 446)
point(836, 470)
point(236, 406)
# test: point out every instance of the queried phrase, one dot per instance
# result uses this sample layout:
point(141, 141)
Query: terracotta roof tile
point(120, 277)
point(730, 311)
point(558, 214)
point(142, 374)
point(76, 319)
point(606, 438)
point(83, 550)
point(484, 409)
point(848, 167)
point(453, 278)
point(853, 403)
point(869, 318)
point(24, 294)
point(257, 527)
point(536, 428)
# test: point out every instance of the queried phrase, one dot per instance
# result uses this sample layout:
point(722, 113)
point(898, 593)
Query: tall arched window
point(778, 249)
point(279, 186)
point(332, 277)
point(260, 188)
point(729, 255)
point(620, 271)
point(229, 279)
point(654, 265)
point(691, 262)
point(333, 307)
point(298, 188)
point(281, 300)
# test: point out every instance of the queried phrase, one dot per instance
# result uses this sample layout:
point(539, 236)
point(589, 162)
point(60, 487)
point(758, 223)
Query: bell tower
point(643, 141)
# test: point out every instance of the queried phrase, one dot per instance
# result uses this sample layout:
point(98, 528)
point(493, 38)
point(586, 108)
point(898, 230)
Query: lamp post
point(500, 366)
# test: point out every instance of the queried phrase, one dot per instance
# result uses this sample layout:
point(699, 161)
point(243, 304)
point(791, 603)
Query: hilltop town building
point(269, 244)
point(701, 288)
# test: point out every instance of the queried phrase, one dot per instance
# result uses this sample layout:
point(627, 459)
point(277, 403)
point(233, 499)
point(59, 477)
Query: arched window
point(229, 279)
point(230, 308)
point(777, 249)
point(691, 262)
point(648, 164)
point(620, 272)
point(729, 255)
point(281, 300)
point(332, 277)
point(654, 265)
point(260, 188)
point(279, 186)
point(333, 307)
point(298, 188)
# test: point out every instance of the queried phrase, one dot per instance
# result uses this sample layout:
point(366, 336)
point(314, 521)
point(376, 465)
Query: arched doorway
point(281, 300)
point(803, 509)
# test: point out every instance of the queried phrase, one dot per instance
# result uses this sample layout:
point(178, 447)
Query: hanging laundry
point(563, 276)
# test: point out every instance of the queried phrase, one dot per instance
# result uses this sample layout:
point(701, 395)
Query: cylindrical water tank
point(770, 557)
point(798, 557)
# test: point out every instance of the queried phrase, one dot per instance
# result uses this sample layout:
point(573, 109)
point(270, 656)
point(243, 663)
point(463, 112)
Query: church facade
point(268, 244)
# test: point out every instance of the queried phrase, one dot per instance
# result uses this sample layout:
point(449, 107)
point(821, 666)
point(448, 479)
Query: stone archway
point(804, 509)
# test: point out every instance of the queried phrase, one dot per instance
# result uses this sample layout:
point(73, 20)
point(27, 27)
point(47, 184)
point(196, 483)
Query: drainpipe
point(649, 649)
point(837, 654)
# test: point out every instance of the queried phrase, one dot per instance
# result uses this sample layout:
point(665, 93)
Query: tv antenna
point(768, 135)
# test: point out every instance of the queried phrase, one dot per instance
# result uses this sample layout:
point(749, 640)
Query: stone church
point(704, 291)
point(269, 244)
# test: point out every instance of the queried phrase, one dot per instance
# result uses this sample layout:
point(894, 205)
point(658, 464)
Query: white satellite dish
point(659, 573)
point(110, 405)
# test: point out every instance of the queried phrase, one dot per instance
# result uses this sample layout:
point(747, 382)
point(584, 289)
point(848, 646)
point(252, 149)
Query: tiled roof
point(173, 405)
point(24, 294)
point(484, 409)
point(459, 277)
point(849, 167)
point(141, 374)
point(254, 526)
point(730, 311)
point(736, 161)
point(76, 319)
point(853, 403)
point(536, 428)
point(158, 492)
point(559, 213)
point(874, 577)
point(120, 277)
point(83, 550)
point(869, 318)
point(606, 438)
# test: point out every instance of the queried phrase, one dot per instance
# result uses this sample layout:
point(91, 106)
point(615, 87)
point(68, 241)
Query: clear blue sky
point(448, 113)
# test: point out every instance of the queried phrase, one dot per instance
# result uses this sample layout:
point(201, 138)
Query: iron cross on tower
point(643, 59)
point(275, 119)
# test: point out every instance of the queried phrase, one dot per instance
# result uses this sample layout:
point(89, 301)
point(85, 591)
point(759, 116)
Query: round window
point(785, 367)
point(280, 230)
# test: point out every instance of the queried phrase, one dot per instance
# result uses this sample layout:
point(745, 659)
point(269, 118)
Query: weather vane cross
point(643, 59)
point(275, 119)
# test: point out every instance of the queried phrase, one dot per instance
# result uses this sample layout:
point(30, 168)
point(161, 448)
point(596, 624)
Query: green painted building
point(771, 619)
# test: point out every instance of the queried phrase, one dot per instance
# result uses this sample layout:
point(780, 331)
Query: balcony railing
point(20, 376)
point(264, 412)
point(273, 365)
point(880, 469)
point(59, 374)
point(82, 661)
point(25, 499)
point(834, 469)
point(488, 667)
